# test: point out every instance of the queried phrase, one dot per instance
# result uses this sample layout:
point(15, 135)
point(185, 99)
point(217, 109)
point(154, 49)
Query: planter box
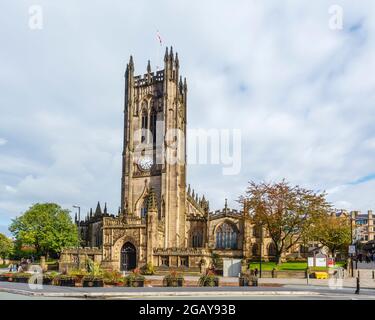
point(47, 281)
point(173, 283)
point(21, 279)
point(136, 283)
point(243, 282)
point(214, 283)
point(93, 283)
point(67, 282)
point(4, 278)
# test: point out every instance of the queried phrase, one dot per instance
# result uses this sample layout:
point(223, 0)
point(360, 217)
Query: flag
point(159, 37)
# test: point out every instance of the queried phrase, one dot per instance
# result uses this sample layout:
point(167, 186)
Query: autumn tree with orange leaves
point(285, 211)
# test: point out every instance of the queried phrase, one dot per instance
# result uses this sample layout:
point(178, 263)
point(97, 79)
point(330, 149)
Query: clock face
point(145, 163)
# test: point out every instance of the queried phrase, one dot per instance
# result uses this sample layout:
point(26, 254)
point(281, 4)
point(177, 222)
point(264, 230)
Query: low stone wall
point(298, 274)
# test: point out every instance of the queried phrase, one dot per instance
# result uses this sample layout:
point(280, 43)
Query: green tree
point(6, 246)
point(285, 211)
point(45, 226)
point(331, 231)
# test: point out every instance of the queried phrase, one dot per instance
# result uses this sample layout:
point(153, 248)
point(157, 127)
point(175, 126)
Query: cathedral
point(162, 220)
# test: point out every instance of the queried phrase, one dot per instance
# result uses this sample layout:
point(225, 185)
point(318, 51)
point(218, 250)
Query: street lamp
point(351, 242)
point(79, 234)
point(261, 251)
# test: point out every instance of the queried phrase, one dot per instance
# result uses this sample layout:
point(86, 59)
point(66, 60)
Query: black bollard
point(358, 286)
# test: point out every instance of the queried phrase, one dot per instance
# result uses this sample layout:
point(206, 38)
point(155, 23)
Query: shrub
point(21, 275)
point(93, 268)
point(134, 276)
point(92, 278)
point(77, 273)
point(112, 277)
point(173, 279)
point(208, 280)
point(149, 269)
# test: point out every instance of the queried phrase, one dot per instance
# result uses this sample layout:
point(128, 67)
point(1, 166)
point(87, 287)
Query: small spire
point(185, 84)
point(166, 54)
point(105, 207)
point(148, 67)
point(189, 190)
point(98, 210)
point(196, 198)
point(193, 194)
point(171, 54)
point(226, 205)
point(177, 62)
point(203, 199)
point(131, 62)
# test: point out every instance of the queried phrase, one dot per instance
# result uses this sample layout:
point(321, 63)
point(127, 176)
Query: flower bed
point(135, 279)
point(6, 277)
point(173, 280)
point(113, 278)
point(21, 277)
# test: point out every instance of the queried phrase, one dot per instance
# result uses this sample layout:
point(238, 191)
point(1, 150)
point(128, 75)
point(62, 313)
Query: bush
point(113, 277)
point(77, 273)
point(21, 275)
point(92, 278)
point(134, 278)
point(149, 269)
point(173, 279)
point(208, 280)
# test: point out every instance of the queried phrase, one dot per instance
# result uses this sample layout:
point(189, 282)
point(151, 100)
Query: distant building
point(363, 225)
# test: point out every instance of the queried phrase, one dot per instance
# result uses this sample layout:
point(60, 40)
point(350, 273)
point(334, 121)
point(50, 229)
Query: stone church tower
point(160, 220)
point(155, 105)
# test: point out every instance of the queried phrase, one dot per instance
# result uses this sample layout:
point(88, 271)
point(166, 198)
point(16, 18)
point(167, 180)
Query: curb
point(155, 294)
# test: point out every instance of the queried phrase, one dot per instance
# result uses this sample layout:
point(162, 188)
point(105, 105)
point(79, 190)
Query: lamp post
point(261, 251)
point(79, 234)
point(351, 242)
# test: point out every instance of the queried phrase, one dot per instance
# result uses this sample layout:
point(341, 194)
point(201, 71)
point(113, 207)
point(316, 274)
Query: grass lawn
point(291, 266)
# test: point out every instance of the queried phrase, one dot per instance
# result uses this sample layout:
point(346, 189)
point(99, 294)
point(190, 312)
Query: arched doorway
point(128, 257)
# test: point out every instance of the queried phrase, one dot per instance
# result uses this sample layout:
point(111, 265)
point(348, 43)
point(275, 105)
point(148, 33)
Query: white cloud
point(301, 94)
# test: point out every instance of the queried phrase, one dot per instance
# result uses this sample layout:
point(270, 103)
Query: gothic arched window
point(153, 126)
point(197, 239)
point(226, 237)
point(255, 250)
point(271, 249)
point(144, 124)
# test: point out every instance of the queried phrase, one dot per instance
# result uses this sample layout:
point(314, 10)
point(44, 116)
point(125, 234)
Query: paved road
point(12, 296)
point(285, 292)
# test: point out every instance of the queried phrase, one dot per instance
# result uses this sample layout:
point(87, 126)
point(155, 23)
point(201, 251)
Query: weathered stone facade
point(161, 220)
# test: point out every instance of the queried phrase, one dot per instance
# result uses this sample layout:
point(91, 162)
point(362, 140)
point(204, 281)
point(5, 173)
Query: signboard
point(320, 262)
point(310, 261)
point(331, 262)
point(351, 249)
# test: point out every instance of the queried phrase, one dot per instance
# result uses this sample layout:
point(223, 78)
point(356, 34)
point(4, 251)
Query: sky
point(300, 92)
